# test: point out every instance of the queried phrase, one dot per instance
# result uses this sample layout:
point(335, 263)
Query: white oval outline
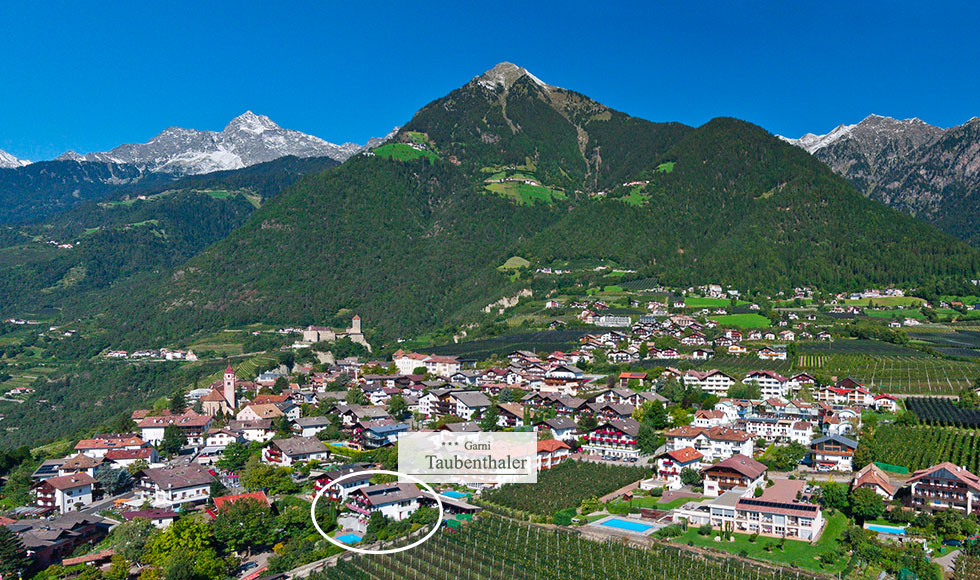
point(339, 544)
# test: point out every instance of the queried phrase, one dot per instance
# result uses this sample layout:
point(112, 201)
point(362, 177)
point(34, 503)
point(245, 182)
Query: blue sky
point(93, 75)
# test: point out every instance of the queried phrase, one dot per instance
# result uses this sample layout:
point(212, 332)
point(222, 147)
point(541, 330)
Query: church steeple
point(229, 387)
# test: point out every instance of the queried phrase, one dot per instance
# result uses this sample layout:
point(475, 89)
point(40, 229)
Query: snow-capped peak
point(8, 161)
point(506, 74)
point(251, 123)
point(813, 143)
point(246, 140)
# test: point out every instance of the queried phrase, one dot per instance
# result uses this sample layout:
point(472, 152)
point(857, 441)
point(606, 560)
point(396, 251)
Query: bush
point(657, 492)
point(670, 531)
point(754, 537)
point(705, 530)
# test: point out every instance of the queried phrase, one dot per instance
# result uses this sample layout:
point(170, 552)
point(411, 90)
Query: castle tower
point(355, 325)
point(229, 387)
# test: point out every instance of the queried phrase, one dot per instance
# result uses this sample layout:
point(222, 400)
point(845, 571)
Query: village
point(705, 457)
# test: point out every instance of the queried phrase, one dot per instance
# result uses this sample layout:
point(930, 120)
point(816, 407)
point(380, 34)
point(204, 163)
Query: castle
point(315, 334)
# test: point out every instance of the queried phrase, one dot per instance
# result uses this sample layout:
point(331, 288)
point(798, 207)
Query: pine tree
point(13, 555)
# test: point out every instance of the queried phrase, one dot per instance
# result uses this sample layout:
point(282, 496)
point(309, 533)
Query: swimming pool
point(626, 525)
point(349, 538)
point(886, 529)
point(454, 494)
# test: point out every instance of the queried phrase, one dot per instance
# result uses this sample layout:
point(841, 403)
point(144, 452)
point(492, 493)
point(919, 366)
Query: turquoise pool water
point(349, 538)
point(454, 494)
point(886, 529)
point(626, 525)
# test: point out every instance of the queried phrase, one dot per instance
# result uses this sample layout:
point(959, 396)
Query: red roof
point(70, 481)
point(551, 445)
point(685, 455)
point(256, 495)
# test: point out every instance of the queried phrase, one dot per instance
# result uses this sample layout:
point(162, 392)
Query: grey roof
point(836, 438)
point(559, 423)
point(473, 399)
point(191, 475)
point(313, 421)
point(389, 493)
point(467, 427)
point(299, 445)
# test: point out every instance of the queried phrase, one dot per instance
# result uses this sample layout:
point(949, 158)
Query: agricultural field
point(941, 411)
point(916, 447)
point(541, 341)
point(887, 301)
point(742, 320)
point(491, 548)
point(564, 487)
point(403, 152)
point(667, 167)
point(514, 263)
point(895, 373)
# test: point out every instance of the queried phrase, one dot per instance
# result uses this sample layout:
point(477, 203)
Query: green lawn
point(524, 193)
point(900, 314)
point(666, 167)
point(403, 152)
point(514, 263)
point(800, 553)
point(654, 502)
point(743, 320)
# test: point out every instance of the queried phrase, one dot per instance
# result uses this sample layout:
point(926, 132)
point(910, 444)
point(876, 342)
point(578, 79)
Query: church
point(223, 397)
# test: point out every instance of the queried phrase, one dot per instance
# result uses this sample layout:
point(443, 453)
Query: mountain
point(921, 169)
point(246, 140)
point(410, 235)
point(8, 161)
point(133, 233)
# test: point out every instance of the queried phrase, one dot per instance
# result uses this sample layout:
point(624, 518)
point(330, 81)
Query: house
point(287, 452)
point(737, 472)
point(551, 452)
point(772, 353)
point(781, 511)
point(191, 424)
point(257, 496)
point(381, 433)
point(714, 443)
point(99, 445)
point(219, 438)
point(51, 539)
point(340, 491)
point(259, 411)
point(65, 493)
point(945, 486)
point(561, 428)
point(771, 383)
point(260, 430)
point(625, 378)
point(885, 403)
point(510, 415)
point(714, 381)
point(832, 453)
point(737, 350)
point(671, 463)
point(396, 501)
point(166, 487)
point(616, 438)
point(469, 404)
point(710, 418)
point(123, 458)
point(873, 477)
point(310, 426)
point(702, 354)
point(160, 518)
point(81, 464)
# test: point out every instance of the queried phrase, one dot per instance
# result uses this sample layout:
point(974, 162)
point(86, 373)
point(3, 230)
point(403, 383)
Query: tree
point(969, 399)
point(587, 423)
point(652, 413)
point(489, 420)
point(647, 439)
point(750, 390)
point(245, 523)
point(129, 539)
point(419, 370)
point(137, 466)
point(257, 475)
point(173, 439)
point(280, 385)
point(113, 480)
point(236, 454)
point(397, 407)
point(691, 477)
point(13, 554)
point(866, 504)
point(177, 403)
point(834, 495)
point(355, 396)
